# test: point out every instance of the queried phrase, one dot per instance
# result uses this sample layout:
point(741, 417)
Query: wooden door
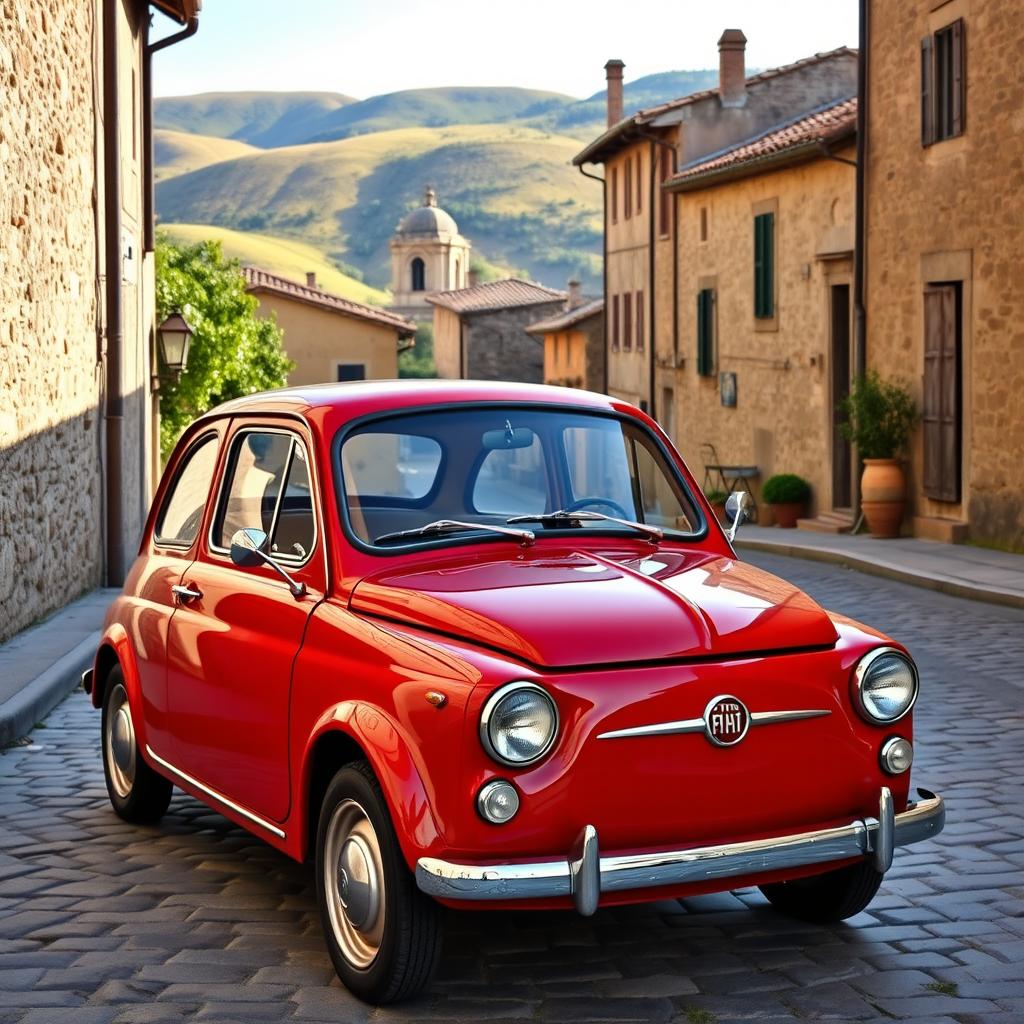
point(842, 492)
point(942, 390)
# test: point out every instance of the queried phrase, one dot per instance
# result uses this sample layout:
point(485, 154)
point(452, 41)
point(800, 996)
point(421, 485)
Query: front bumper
point(584, 874)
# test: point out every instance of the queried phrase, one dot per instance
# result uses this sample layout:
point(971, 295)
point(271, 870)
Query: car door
point(237, 630)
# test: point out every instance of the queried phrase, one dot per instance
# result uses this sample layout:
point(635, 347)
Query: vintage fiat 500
point(485, 645)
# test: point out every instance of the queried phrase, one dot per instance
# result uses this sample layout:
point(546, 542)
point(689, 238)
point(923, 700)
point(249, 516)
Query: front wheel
point(383, 934)
point(830, 897)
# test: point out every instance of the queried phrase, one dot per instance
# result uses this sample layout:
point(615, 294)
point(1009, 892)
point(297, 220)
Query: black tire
point(137, 793)
point(383, 934)
point(834, 896)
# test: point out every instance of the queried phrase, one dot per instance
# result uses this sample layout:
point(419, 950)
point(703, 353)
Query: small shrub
point(880, 415)
point(716, 497)
point(785, 489)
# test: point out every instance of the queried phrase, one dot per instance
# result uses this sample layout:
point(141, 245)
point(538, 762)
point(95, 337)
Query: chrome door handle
point(185, 594)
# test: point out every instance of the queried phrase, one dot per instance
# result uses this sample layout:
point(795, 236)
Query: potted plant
point(787, 495)
point(716, 499)
point(880, 415)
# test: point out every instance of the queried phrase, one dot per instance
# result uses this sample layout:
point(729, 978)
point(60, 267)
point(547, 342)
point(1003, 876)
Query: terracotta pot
point(718, 507)
point(883, 496)
point(787, 514)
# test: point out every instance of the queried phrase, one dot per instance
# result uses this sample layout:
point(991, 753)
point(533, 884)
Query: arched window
point(458, 279)
point(419, 275)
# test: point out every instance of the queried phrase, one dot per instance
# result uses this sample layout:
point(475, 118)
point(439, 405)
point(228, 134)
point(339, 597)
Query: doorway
point(842, 462)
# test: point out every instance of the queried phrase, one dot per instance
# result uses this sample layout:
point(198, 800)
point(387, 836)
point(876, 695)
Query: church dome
point(429, 219)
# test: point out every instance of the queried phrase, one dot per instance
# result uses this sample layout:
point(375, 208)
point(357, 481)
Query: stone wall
point(498, 347)
point(951, 212)
point(50, 476)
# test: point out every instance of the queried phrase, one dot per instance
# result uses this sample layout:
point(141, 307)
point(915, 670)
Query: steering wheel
point(581, 503)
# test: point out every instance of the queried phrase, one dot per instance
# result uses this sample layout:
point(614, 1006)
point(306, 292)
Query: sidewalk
point(40, 666)
point(958, 569)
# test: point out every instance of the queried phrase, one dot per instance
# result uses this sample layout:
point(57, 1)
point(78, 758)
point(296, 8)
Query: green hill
point(282, 256)
point(510, 187)
point(181, 152)
point(259, 118)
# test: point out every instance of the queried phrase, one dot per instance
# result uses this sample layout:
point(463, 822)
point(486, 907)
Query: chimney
point(613, 72)
point(732, 85)
point(311, 279)
point(474, 278)
point(575, 295)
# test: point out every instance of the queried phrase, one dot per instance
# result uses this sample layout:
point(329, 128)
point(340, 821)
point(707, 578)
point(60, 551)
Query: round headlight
point(518, 724)
point(885, 685)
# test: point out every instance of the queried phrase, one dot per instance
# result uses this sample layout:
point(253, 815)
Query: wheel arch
point(115, 649)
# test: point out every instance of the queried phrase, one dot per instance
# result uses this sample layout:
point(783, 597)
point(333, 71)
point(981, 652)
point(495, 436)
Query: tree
point(418, 361)
point(233, 351)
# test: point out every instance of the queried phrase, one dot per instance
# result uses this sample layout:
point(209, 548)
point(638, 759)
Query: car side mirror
point(247, 551)
point(736, 511)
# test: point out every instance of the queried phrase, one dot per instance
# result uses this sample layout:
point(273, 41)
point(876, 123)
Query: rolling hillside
point(511, 188)
point(181, 152)
point(282, 256)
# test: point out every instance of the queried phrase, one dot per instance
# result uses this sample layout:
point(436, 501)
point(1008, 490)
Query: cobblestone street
point(195, 919)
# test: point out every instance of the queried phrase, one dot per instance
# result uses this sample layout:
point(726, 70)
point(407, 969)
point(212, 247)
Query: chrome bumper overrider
point(584, 874)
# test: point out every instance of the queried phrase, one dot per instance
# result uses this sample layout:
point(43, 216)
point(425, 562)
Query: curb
point(37, 699)
point(873, 567)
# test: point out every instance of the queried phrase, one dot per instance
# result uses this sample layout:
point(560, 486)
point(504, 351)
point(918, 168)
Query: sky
point(366, 47)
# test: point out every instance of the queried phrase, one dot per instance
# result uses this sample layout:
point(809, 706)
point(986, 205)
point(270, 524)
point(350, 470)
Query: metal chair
point(729, 475)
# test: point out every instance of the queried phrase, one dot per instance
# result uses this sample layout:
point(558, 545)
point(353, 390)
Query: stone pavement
point(195, 919)
point(959, 569)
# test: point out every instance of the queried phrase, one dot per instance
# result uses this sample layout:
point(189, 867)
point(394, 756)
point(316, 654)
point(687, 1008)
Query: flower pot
point(718, 507)
point(787, 514)
point(883, 496)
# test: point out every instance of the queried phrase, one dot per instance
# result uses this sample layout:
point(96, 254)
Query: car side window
point(267, 488)
point(182, 514)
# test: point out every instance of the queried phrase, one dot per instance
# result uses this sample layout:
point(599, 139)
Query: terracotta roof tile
point(804, 134)
point(560, 321)
point(257, 280)
point(649, 114)
point(509, 291)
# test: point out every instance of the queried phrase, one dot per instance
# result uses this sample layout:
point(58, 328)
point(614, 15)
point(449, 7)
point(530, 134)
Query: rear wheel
point(830, 897)
point(383, 934)
point(137, 793)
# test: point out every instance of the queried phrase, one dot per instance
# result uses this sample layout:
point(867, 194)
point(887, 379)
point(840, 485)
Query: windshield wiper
point(582, 516)
point(455, 526)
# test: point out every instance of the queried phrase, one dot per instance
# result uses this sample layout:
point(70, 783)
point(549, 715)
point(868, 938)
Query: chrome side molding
point(700, 724)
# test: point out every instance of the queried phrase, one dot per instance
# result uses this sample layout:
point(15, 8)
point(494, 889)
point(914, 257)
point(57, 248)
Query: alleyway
point(101, 921)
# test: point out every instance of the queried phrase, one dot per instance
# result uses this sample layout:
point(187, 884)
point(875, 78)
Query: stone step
point(836, 521)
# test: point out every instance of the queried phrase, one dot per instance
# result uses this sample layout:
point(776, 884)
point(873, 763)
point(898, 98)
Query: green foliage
point(716, 497)
point(233, 351)
point(785, 489)
point(418, 361)
point(880, 415)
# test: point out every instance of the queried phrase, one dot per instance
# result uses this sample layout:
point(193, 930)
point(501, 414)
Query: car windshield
point(474, 468)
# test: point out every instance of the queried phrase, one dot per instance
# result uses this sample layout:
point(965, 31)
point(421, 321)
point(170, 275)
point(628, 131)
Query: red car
point(485, 645)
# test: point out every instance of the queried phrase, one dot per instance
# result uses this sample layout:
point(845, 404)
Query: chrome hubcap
point(120, 743)
point(354, 883)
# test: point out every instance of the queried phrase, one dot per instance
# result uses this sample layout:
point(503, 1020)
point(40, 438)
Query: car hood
point(584, 608)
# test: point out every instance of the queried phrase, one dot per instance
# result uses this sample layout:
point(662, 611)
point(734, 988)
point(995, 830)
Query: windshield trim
point(452, 541)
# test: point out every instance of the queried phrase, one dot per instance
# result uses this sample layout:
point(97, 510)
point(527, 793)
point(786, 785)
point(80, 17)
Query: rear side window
point(182, 513)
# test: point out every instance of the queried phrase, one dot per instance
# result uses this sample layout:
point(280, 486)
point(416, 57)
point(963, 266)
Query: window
point(627, 321)
point(180, 518)
point(458, 279)
point(640, 321)
point(943, 84)
point(941, 415)
point(639, 182)
point(419, 274)
point(267, 488)
point(615, 322)
point(615, 195)
point(627, 194)
point(664, 198)
point(351, 371)
point(705, 332)
point(764, 266)
point(512, 482)
point(703, 223)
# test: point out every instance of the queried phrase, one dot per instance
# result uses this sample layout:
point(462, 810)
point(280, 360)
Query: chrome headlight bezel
point(487, 716)
point(861, 675)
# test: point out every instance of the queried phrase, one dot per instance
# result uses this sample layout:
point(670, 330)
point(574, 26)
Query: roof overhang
point(182, 11)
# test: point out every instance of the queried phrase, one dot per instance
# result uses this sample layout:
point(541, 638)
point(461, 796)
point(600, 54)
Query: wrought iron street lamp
point(174, 336)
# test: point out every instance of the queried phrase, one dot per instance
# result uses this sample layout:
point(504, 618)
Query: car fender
point(115, 645)
point(389, 754)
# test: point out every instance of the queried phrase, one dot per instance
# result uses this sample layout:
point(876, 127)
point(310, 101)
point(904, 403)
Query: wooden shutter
point(959, 82)
point(927, 93)
point(639, 182)
point(764, 269)
point(640, 321)
point(627, 320)
point(627, 190)
point(941, 414)
point(663, 196)
point(705, 332)
point(615, 321)
point(615, 195)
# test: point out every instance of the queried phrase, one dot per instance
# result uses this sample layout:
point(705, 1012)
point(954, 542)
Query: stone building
point(574, 352)
point(427, 255)
point(327, 337)
point(77, 403)
point(480, 333)
point(639, 153)
point(944, 308)
point(765, 237)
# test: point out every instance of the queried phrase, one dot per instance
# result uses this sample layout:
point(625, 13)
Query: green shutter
point(705, 332)
point(764, 266)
